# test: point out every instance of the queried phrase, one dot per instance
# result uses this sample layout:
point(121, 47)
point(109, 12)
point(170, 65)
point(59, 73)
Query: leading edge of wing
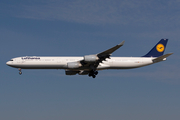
point(111, 50)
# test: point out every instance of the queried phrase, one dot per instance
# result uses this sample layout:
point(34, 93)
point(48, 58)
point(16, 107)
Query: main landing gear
point(20, 71)
point(93, 73)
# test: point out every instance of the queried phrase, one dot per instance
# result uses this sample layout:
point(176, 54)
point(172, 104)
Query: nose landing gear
point(20, 71)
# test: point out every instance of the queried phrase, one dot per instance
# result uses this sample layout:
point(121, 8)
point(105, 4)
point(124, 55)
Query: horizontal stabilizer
point(161, 58)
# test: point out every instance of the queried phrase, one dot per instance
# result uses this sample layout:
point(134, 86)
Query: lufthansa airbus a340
point(91, 64)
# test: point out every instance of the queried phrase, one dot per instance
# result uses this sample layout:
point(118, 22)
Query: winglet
point(122, 43)
point(161, 58)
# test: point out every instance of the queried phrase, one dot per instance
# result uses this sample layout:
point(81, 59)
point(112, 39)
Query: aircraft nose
point(8, 63)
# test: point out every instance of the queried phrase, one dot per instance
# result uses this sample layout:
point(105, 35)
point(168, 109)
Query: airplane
point(91, 64)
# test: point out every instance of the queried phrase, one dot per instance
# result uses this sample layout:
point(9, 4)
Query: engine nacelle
point(73, 65)
point(90, 58)
point(69, 72)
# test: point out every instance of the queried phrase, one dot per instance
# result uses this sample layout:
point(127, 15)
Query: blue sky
point(82, 27)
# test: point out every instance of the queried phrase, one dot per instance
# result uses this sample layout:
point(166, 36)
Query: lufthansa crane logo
point(160, 47)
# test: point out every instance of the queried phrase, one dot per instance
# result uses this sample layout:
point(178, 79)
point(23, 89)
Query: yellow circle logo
point(160, 47)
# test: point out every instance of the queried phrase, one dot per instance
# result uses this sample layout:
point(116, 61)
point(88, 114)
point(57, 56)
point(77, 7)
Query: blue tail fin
point(158, 49)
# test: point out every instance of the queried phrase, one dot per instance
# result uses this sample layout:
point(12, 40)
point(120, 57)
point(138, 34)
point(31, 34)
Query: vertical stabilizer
point(158, 49)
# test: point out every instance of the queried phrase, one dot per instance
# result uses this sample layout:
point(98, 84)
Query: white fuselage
point(61, 62)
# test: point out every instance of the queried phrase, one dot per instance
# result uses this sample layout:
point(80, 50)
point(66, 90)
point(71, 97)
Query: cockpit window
point(11, 60)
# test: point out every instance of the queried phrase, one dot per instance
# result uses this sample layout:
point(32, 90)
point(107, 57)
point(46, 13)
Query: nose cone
point(8, 63)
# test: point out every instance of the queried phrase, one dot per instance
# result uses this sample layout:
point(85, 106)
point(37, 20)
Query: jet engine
point(90, 58)
point(73, 65)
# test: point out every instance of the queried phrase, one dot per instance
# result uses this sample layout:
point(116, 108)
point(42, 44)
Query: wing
point(93, 61)
point(106, 54)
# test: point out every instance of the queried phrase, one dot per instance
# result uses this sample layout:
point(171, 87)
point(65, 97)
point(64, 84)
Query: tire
point(20, 73)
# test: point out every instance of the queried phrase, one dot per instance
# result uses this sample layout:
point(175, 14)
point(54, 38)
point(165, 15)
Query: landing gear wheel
point(94, 76)
point(96, 72)
point(90, 74)
point(20, 71)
